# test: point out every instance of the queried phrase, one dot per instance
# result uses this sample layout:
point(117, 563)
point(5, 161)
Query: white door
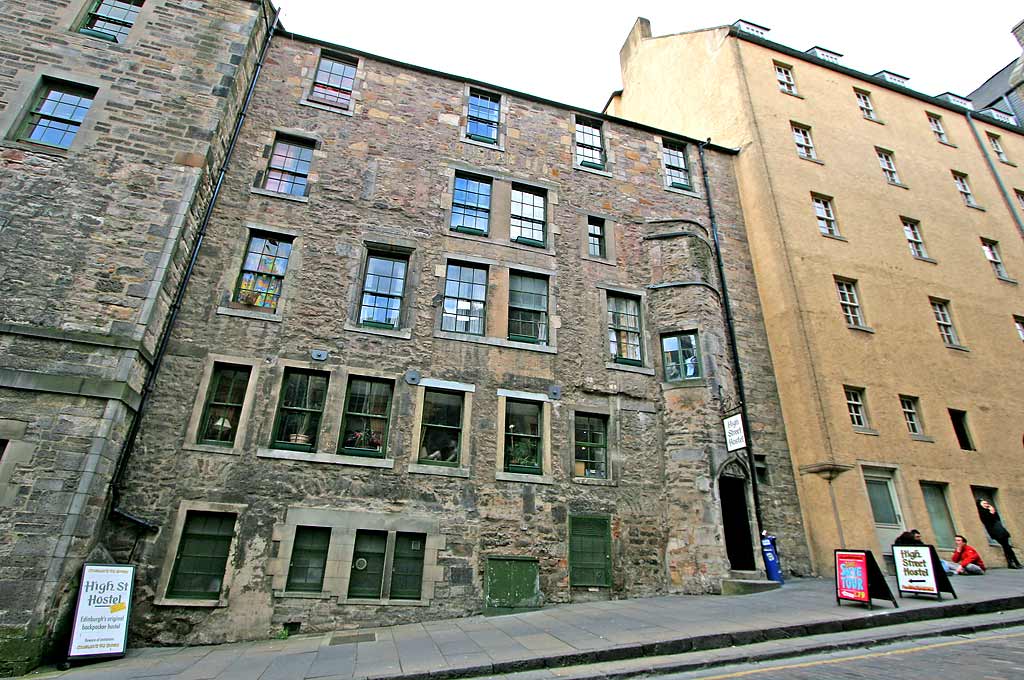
point(885, 507)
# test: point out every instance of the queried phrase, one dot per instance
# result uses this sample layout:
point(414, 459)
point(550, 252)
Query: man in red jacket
point(965, 559)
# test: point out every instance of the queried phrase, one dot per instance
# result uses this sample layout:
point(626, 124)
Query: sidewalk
point(558, 636)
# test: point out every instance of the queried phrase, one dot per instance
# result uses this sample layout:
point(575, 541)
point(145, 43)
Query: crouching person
point(965, 559)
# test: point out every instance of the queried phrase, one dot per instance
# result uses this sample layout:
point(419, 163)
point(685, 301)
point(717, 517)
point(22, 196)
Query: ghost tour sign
point(858, 578)
point(100, 627)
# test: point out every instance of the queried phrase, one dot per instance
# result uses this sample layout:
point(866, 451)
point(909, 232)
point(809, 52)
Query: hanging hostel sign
point(734, 438)
point(101, 615)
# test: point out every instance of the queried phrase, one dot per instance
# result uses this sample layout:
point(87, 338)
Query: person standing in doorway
point(994, 526)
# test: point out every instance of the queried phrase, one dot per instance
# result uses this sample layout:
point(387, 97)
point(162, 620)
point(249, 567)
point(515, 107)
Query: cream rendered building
point(886, 233)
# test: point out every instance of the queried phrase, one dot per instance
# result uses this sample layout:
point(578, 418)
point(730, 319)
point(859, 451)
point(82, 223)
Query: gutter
point(995, 173)
point(179, 296)
point(731, 329)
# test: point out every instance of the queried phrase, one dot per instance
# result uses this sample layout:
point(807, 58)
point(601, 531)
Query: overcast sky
point(569, 51)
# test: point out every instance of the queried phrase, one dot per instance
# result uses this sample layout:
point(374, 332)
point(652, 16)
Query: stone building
point(113, 119)
point(1002, 95)
point(885, 229)
point(448, 347)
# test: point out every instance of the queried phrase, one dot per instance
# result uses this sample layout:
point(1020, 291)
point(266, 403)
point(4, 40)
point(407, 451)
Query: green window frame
point(309, 559)
point(383, 288)
point(57, 113)
point(589, 143)
point(288, 168)
point(597, 244)
point(483, 116)
point(528, 309)
point(471, 204)
point(407, 566)
point(677, 167)
point(524, 440)
point(202, 555)
point(224, 400)
point(441, 427)
point(366, 580)
point(465, 299)
point(590, 554)
point(364, 426)
point(111, 19)
point(681, 356)
point(624, 330)
point(261, 280)
point(529, 213)
point(300, 409)
point(591, 446)
point(334, 81)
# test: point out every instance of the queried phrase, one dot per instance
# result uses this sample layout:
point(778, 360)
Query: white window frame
point(962, 185)
point(867, 108)
point(804, 142)
point(784, 76)
point(1019, 323)
point(856, 407)
point(997, 147)
point(888, 165)
point(826, 215)
point(912, 414)
point(849, 302)
point(944, 321)
point(912, 231)
point(991, 250)
point(935, 123)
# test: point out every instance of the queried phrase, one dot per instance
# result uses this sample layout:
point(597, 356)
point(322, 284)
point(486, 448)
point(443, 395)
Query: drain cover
point(353, 638)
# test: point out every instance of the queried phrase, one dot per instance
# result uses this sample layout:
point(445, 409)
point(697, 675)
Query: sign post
point(858, 578)
point(100, 628)
point(735, 438)
point(919, 571)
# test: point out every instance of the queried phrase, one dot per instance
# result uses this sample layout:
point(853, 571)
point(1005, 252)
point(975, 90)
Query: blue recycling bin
point(771, 558)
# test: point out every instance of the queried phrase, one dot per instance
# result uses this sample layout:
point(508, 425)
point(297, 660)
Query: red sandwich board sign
point(100, 627)
point(858, 578)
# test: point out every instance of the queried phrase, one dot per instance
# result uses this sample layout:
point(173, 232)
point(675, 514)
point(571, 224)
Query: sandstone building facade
point(886, 233)
point(445, 346)
point(113, 119)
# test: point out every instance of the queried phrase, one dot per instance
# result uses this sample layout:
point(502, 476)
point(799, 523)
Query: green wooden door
point(368, 564)
point(590, 551)
point(407, 570)
point(512, 582)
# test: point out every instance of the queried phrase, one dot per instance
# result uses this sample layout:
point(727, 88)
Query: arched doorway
point(732, 493)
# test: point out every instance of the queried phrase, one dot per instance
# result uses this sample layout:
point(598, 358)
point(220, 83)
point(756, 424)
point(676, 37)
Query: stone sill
point(1010, 163)
point(875, 120)
point(401, 334)
point(211, 448)
point(792, 94)
point(863, 329)
point(866, 430)
point(440, 470)
point(684, 192)
point(598, 260)
point(301, 595)
point(249, 314)
point(386, 603)
point(593, 171)
point(325, 107)
point(591, 481)
point(924, 259)
point(812, 160)
point(949, 144)
point(176, 602)
point(975, 206)
point(493, 147)
point(1006, 279)
point(502, 476)
point(901, 185)
point(43, 149)
point(329, 458)
point(922, 438)
point(959, 348)
point(834, 237)
point(611, 365)
point(683, 384)
point(277, 194)
point(495, 342)
point(546, 250)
